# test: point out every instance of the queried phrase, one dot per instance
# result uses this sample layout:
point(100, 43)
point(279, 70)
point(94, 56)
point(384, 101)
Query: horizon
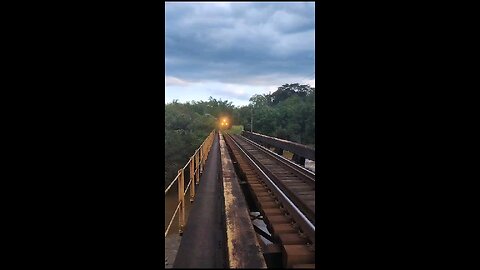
point(219, 99)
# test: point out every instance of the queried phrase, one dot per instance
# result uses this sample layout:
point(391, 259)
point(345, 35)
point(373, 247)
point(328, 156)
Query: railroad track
point(285, 194)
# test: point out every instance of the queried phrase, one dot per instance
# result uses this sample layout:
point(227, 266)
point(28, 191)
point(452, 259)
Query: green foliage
point(288, 113)
point(186, 127)
point(288, 90)
point(236, 129)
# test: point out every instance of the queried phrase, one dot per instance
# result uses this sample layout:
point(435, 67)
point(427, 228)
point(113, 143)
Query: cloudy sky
point(231, 51)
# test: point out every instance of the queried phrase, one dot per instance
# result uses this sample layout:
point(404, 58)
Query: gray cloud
point(241, 43)
point(171, 81)
point(232, 93)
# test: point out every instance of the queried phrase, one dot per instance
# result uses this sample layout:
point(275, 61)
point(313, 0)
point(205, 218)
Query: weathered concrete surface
point(172, 242)
point(243, 248)
point(203, 241)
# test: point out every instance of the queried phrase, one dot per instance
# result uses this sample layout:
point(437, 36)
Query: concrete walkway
point(172, 242)
point(203, 241)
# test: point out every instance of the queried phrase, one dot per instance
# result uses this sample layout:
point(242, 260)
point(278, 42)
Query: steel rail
point(307, 210)
point(299, 149)
point(279, 156)
point(304, 223)
point(304, 172)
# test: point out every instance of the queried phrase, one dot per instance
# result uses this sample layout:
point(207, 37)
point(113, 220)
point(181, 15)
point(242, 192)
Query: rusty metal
point(181, 199)
point(197, 166)
point(242, 244)
point(203, 244)
point(171, 220)
point(171, 184)
point(296, 148)
point(269, 180)
point(306, 174)
point(204, 156)
point(201, 158)
point(292, 179)
point(194, 177)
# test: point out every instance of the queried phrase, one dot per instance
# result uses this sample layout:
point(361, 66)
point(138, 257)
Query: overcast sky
point(233, 50)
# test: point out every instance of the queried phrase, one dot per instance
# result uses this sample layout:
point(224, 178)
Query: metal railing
point(296, 148)
point(196, 166)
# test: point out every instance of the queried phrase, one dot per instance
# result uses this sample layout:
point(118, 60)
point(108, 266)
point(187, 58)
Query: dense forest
point(288, 113)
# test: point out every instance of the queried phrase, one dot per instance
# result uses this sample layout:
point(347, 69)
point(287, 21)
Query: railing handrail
point(171, 184)
point(176, 177)
point(302, 150)
point(197, 160)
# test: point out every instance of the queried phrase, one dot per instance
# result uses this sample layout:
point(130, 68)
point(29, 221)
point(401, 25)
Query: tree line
point(288, 113)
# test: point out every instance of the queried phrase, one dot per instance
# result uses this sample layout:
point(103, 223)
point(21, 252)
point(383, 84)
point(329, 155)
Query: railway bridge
point(241, 203)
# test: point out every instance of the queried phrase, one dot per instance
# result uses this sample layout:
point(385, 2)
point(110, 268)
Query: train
point(225, 123)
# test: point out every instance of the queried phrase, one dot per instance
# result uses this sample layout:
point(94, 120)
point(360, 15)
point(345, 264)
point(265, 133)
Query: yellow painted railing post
point(208, 142)
point(205, 148)
point(192, 181)
point(197, 172)
point(212, 137)
point(201, 159)
point(181, 198)
point(197, 167)
point(205, 155)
